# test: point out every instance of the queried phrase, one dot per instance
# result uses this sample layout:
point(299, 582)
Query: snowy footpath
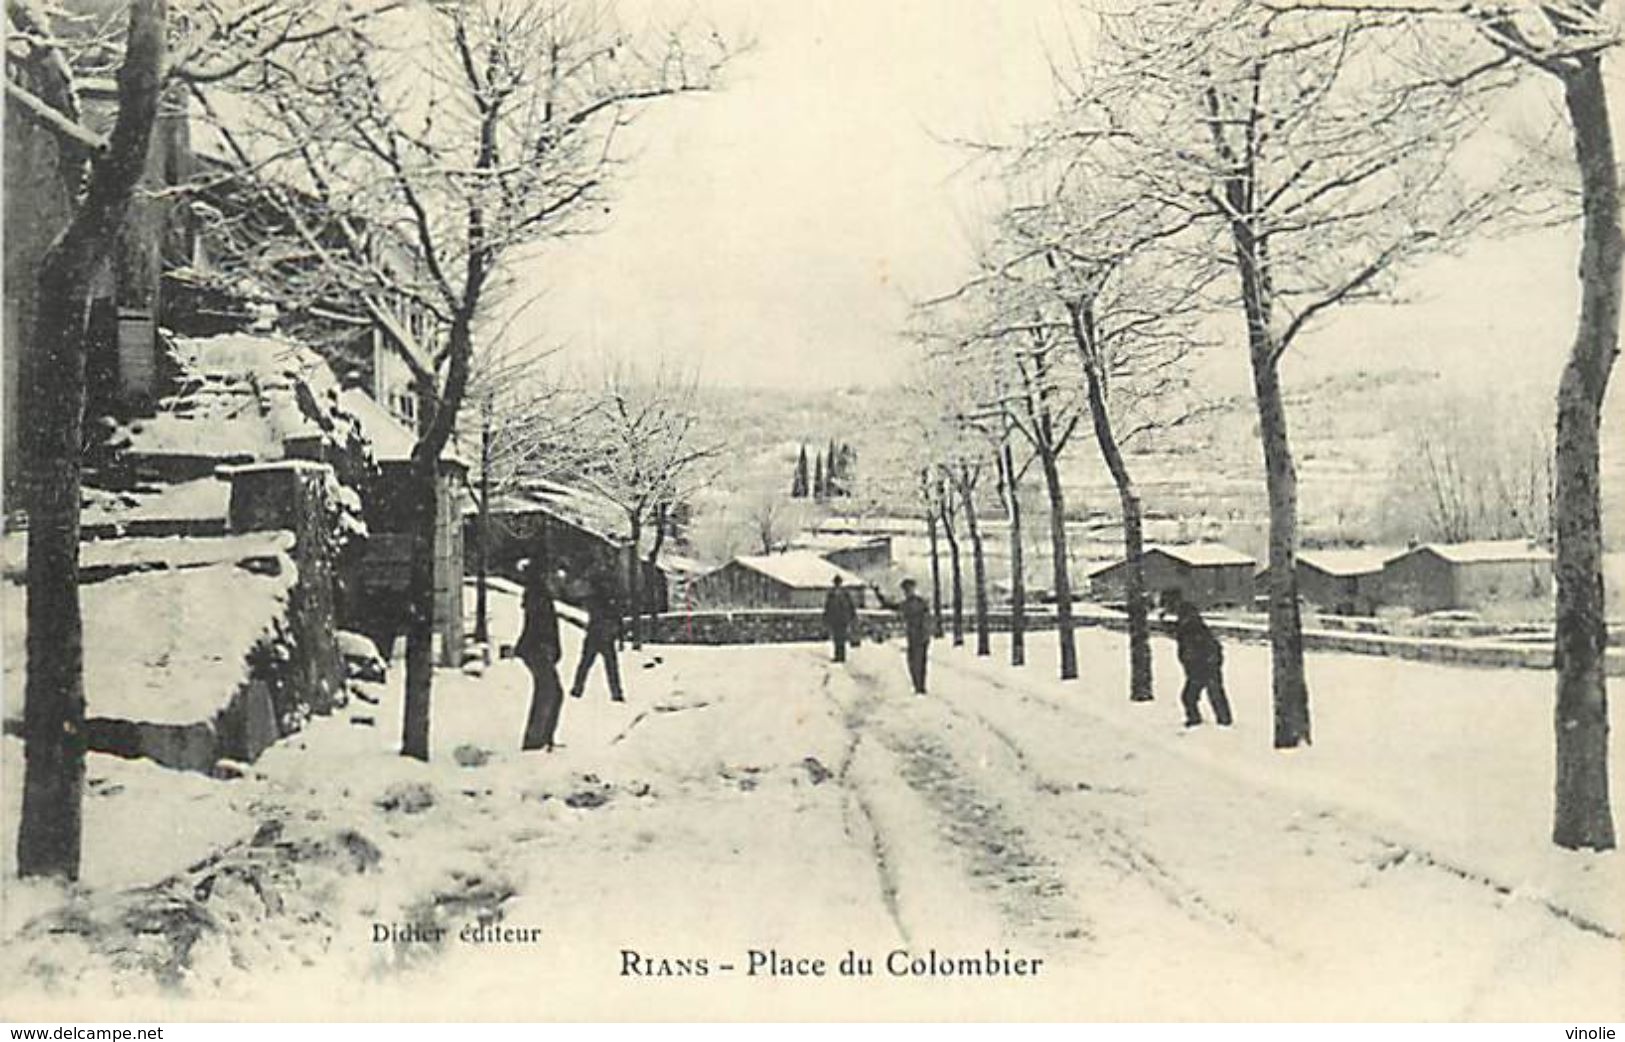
point(756, 825)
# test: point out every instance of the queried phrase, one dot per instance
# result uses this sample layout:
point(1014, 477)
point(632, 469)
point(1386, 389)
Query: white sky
point(773, 234)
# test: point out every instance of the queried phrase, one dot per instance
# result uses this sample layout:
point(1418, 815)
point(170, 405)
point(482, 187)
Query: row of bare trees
point(1275, 161)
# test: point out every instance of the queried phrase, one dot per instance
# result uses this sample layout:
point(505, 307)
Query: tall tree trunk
point(482, 552)
point(420, 604)
point(1128, 497)
point(49, 831)
point(1583, 817)
point(967, 495)
point(634, 605)
point(1289, 686)
point(957, 574)
point(1018, 565)
point(936, 569)
point(1060, 565)
point(652, 562)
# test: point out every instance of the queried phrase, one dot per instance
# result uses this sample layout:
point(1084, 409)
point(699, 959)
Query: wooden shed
point(855, 553)
point(1466, 576)
point(565, 525)
point(1207, 575)
point(797, 579)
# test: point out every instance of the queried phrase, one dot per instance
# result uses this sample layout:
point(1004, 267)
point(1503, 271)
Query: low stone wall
point(755, 626)
point(783, 626)
point(799, 626)
point(1479, 653)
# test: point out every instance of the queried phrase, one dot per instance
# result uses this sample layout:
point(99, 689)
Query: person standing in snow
point(1202, 658)
point(839, 611)
point(603, 630)
point(539, 649)
point(916, 614)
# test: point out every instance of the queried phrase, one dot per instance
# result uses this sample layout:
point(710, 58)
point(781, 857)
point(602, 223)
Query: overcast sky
point(773, 234)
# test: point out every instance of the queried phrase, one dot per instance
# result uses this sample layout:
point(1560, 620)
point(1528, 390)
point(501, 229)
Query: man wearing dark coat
point(539, 649)
point(603, 630)
point(839, 611)
point(1203, 660)
point(916, 614)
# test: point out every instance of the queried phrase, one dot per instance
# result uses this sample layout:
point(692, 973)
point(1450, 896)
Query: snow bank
point(164, 647)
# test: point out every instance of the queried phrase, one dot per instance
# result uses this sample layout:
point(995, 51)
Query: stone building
point(796, 579)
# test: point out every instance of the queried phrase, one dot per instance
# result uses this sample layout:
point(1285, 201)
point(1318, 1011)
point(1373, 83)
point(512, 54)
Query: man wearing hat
point(916, 615)
point(539, 649)
point(839, 611)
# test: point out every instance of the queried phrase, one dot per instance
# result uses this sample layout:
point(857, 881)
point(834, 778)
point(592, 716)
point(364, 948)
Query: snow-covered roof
point(391, 439)
point(1200, 555)
point(588, 509)
point(1347, 561)
point(826, 541)
point(1196, 555)
point(1482, 551)
point(870, 526)
point(800, 569)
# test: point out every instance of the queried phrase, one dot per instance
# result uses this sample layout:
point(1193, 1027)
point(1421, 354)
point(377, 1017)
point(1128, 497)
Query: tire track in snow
point(1123, 852)
point(1028, 888)
point(871, 835)
point(1405, 853)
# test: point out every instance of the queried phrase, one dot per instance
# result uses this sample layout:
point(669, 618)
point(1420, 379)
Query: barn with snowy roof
point(1457, 576)
point(1339, 580)
point(796, 579)
point(1207, 575)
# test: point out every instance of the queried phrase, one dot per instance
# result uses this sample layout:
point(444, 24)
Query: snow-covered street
point(767, 799)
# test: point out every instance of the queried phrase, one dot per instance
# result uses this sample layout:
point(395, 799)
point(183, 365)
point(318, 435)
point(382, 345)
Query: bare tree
point(965, 476)
point(1000, 360)
point(928, 492)
point(647, 454)
point(773, 519)
point(49, 59)
point(1009, 479)
point(474, 130)
point(1473, 466)
point(1311, 159)
point(1568, 41)
point(526, 433)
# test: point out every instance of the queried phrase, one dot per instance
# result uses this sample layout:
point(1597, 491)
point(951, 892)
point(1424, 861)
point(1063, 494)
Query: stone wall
point(291, 496)
point(790, 626)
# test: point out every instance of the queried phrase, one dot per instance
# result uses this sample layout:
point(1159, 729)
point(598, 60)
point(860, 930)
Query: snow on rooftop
point(391, 440)
point(870, 527)
point(1203, 554)
point(1347, 561)
point(1484, 551)
point(801, 569)
point(818, 540)
point(586, 508)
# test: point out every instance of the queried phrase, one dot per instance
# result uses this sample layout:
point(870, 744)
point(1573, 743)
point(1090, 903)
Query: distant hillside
point(1346, 431)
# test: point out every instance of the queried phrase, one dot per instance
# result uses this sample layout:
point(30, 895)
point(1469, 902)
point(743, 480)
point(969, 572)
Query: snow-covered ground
point(764, 798)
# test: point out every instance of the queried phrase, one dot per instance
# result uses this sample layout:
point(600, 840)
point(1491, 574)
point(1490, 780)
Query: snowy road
point(766, 800)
